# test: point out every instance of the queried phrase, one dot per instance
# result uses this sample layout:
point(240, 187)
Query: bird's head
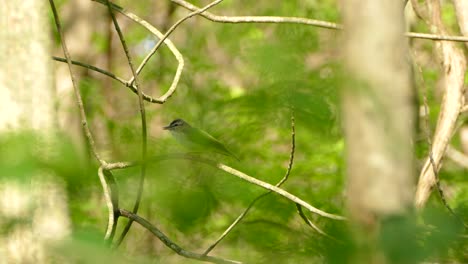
point(177, 125)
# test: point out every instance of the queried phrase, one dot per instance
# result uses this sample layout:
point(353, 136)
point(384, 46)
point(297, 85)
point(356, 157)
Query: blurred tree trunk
point(379, 115)
point(26, 99)
point(33, 212)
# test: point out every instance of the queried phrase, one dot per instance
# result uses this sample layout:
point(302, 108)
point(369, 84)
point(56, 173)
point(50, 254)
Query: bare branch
point(454, 67)
point(111, 75)
point(277, 190)
point(300, 20)
point(79, 100)
point(171, 90)
point(143, 124)
point(169, 32)
point(427, 130)
point(258, 19)
point(166, 41)
point(232, 171)
point(436, 37)
point(170, 244)
point(225, 19)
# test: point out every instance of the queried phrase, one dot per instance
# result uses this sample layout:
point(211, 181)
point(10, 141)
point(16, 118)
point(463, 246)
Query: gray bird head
point(177, 125)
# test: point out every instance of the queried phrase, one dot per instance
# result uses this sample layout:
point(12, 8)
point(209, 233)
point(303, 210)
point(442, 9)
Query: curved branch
point(162, 99)
point(169, 32)
point(163, 38)
point(311, 224)
point(112, 202)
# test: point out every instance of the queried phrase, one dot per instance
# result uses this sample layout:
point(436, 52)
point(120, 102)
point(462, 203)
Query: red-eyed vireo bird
point(196, 139)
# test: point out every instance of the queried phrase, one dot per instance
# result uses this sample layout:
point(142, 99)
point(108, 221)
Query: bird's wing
point(209, 142)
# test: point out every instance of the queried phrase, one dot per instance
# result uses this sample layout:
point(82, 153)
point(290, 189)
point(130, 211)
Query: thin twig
point(94, 68)
point(436, 37)
point(291, 152)
point(244, 213)
point(162, 99)
point(170, 244)
point(143, 125)
point(79, 100)
point(234, 223)
point(232, 171)
point(111, 75)
point(300, 20)
point(311, 224)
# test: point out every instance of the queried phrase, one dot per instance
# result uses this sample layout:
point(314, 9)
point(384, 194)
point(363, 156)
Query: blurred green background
point(240, 83)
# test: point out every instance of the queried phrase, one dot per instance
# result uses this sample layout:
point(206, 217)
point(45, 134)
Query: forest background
point(282, 89)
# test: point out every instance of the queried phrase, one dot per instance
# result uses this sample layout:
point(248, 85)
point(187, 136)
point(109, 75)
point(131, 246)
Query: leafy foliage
point(241, 84)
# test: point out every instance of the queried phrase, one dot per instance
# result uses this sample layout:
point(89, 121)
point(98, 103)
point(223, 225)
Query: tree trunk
point(26, 99)
point(379, 117)
point(33, 211)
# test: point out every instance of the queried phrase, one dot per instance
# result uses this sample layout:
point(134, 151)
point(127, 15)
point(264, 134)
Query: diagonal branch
point(273, 188)
point(170, 244)
point(454, 68)
point(109, 74)
point(237, 173)
point(79, 100)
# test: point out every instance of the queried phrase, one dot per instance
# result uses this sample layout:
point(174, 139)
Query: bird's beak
point(167, 127)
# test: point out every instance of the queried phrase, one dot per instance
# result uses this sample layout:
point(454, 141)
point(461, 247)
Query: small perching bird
point(196, 139)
